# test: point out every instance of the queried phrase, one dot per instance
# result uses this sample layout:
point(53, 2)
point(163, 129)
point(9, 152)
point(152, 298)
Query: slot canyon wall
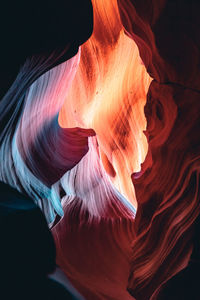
point(167, 190)
point(105, 138)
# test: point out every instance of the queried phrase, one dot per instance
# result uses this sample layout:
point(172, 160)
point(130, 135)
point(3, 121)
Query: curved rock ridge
point(37, 150)
point(167, 190)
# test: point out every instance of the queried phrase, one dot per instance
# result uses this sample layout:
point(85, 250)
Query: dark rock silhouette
point(27, 252)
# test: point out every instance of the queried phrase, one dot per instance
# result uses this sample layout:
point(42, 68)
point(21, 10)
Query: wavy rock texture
point(109, 97)
point(167, 190)
point(93, 238)
point(49, 150)
point(37, 150)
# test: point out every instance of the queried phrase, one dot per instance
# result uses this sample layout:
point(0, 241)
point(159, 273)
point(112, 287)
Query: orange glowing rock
point(108, 94)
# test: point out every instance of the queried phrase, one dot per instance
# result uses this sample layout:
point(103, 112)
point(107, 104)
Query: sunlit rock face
point(108, 94)
point(167, 35)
